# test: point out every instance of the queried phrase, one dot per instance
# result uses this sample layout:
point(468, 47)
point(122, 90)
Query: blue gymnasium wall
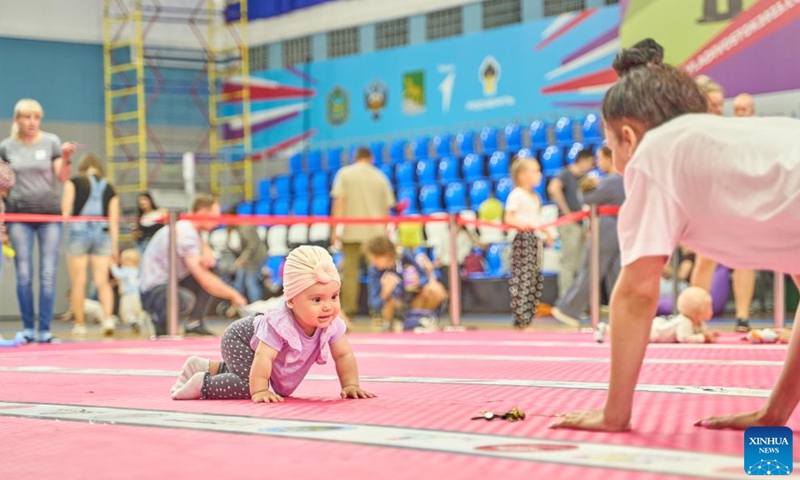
point(528, 68)
point(67, 79)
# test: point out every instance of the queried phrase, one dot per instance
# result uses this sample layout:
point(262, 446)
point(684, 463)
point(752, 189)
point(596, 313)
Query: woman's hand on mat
point(737, 421)
point(593, 420)
point(351, 391)
point(266, 397)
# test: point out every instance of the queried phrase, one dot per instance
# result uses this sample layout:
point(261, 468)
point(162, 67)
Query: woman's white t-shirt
point(526, 206)
point(728, 188)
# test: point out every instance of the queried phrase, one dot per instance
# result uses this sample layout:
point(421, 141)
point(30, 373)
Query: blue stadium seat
point(573, 152)
point(513, 137)
point(296, 163)
point(314, 161)
point(473, 167)
point(563, 131)
point(301, 206)
point(538, 134)
point(421, 147)
point(466, 142)
point(282, 186)
point(244, 208)
point(498, 165)
point(404, 173)
point(274, 265)
point(479, 191)
point(552, 161)
point(377, 152)
point(426, 172)
point(321, 206)
point(591, 129)
point(448, 170)
point(281, 206)
point(338, 258)
point(263, 207)
point(443, 145)
point(430, 199)
point(503, 188)
point(320, 181)
point(388, 170)
point(397, 151)
point(494, 259)
point(411, 194)
point(300, 184)
point(455, 197)
point(333, 157)
point(265, 188)
point(526, 153)
point(489, 139)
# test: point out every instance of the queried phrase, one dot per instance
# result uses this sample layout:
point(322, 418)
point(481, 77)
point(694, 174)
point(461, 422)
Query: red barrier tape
point(607, 210)
point(42, 218)
point(268, 220)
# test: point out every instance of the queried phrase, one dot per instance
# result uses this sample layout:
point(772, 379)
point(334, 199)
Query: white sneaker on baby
point(192, 389)
point(192, 366)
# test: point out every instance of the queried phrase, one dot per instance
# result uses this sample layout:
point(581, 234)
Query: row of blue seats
point(317, 206)
point(425, 172)
point(493, 258)
point(456, 197)
point(432, 198)
point(443, 145)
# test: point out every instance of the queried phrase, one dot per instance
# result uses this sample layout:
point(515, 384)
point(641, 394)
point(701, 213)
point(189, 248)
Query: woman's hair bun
point(646, 52)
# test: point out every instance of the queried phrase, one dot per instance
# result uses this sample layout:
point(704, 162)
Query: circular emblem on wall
point(375, 97)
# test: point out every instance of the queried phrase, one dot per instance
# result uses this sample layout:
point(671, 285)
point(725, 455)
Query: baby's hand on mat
point(355, 392)
point(266, 397)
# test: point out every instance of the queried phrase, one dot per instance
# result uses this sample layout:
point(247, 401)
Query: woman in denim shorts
point(91, 242)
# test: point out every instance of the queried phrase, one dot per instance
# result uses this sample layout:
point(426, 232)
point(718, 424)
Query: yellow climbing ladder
point(226, 52)
point(228, 56)
point(125, 112)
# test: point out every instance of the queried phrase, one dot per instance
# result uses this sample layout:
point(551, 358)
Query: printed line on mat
point(673, 389)
point(581, 454)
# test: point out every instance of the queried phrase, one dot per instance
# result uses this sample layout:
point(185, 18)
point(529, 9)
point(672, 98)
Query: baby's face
point(316, 307)
point(701, 314)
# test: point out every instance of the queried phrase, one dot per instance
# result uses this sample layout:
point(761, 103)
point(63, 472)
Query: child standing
point(130, 302)
point(266, 356)
point(523, 208)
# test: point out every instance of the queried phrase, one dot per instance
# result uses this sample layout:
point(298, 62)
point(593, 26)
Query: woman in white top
point(728, 188)
point(523, 209)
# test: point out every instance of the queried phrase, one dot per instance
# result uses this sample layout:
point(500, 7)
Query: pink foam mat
point(122, 453)
point(661, 420)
